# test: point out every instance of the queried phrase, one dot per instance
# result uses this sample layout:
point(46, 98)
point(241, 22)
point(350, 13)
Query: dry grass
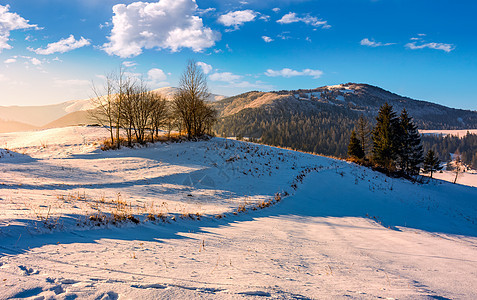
point(123, 142)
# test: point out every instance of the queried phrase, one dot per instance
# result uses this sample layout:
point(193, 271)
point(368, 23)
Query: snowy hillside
point(223, 219)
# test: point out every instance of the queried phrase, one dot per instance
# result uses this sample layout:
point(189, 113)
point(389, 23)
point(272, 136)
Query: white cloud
point(286, 72)
point(276, 9)
point(237, 18)
point(3, 77)
point(225, 77)
point(35, 61)
point(129, 64)
point(205, 67)
point(166, 24)
point(236, 81)
point(372, 43)
point(10, 21)
point(10, 61)
point(157, 77)
point(267, 39)
point(62, 46)
point(291, 17)
point(202, 12)
point(438, 46)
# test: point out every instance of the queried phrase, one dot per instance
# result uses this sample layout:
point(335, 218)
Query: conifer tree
point(431, 163)
point(363, 131)
point(410, 148)
point(354, 148)
point(385, 138)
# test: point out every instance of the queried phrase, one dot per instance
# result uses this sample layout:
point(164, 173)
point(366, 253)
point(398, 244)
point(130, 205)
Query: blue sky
point(51, 50)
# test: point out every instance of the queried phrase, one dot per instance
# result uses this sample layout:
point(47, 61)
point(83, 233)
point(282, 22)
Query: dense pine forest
point(466, 147)
point(326, 131)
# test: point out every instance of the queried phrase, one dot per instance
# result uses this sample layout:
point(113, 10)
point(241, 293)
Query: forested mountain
point(320, 120)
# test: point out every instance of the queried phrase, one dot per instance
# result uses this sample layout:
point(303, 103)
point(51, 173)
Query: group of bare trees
point(189, 104)
point(126, 103)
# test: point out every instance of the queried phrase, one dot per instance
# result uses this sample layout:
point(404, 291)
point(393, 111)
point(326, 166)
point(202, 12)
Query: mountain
point(320, 120)
point(41, 115)
point(74, 112)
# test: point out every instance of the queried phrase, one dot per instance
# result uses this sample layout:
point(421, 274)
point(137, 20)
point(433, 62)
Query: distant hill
point(41, 115)
point(74, 112)
point(82, 117)
point(11, 126)
point(320, 120)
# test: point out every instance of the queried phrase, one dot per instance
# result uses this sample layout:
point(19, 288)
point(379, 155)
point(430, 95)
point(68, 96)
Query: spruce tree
point(431, 163)
point(363, 131)
point(385, 138)
point(410, 148)
point(354, 148)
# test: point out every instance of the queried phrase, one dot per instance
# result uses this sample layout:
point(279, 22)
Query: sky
point(54, 50)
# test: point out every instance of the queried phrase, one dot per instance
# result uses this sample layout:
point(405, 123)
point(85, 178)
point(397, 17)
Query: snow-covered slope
point(339, 231)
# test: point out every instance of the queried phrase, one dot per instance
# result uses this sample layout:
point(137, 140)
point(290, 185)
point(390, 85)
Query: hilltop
point(320, 120)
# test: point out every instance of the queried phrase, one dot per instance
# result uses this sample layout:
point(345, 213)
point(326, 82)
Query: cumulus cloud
point(276, 9)
point(156, 74)
point(157, 77)
point(35, 61)
point(166, 24)
point(237, 18)
point(372, 43)
point(206, 68)
point(62, 46)
point(10, 21)
point(286, 72)
point(267, 39)
point(292, 17)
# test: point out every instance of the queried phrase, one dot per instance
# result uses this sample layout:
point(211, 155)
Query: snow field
point(343, 231)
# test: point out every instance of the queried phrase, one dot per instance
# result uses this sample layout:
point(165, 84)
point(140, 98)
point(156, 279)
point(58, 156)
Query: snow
point(459, 133)
point(343, 230)
point(469, 177)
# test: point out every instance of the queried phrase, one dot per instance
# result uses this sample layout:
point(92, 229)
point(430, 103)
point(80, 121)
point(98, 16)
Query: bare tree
point(104, 102)
point(458, 166)
point(158, 114)
point(189, 102)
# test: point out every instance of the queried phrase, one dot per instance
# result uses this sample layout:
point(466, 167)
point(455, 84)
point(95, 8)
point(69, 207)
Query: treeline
point(395, 143)
point(443, 146)
point(127, 103)
point(320, 131)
